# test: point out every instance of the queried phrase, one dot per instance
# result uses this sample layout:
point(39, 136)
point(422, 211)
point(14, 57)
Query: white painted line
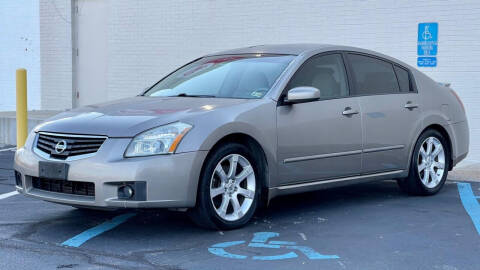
point(8, 149)
point(9, 194)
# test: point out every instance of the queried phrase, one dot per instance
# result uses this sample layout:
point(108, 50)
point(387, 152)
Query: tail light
point(459, 100)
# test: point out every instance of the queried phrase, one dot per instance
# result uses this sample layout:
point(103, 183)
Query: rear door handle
point(410, 105)
point(349, 111)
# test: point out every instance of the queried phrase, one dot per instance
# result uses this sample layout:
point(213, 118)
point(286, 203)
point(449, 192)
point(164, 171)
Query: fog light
point(125, 192)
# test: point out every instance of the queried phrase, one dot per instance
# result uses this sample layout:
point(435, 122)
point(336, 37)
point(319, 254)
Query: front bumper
point(171, 180)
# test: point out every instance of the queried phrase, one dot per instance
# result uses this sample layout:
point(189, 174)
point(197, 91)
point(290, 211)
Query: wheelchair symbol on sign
point(426, 35)
point(259, 240)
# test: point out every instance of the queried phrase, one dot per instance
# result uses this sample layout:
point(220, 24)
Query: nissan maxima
point(224, 134)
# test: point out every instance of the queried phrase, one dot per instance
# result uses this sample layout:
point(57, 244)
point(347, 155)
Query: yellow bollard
point(22, 129)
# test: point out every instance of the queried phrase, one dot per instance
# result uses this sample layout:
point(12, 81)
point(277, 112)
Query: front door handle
point(410, 105)
point(349, 111)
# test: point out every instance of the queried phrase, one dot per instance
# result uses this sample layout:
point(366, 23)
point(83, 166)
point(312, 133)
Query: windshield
point(225, 76)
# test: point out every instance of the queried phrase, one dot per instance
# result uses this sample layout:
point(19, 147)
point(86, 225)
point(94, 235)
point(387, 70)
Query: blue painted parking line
point(259, 240)
point(79, 239)
point(470, 203)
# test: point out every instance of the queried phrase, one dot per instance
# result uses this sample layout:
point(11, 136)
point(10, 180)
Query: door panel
point(317, 141)
point(389, 130)
point(390, 111)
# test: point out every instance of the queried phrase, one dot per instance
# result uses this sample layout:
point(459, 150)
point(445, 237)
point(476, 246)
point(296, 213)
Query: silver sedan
point(226, 133)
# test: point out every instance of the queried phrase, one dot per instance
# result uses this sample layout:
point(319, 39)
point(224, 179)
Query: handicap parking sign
point(427, 44)
point(427, 61)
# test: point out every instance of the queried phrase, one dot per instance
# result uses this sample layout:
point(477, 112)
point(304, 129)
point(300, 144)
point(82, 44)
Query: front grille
point(63, 186)
point(63, 146)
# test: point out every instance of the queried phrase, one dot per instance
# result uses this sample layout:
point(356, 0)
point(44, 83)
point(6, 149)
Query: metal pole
point(22, 129)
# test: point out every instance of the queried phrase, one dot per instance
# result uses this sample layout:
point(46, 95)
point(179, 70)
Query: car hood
point(128, 117)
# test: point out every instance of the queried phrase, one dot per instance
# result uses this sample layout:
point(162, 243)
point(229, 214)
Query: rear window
point(403, 79)
point(372, 76)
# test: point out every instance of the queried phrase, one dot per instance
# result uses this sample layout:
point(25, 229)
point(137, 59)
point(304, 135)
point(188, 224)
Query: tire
point(210, 212)
point(426, 175)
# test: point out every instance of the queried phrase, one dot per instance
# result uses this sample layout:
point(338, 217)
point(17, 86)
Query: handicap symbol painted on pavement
point(259, 240)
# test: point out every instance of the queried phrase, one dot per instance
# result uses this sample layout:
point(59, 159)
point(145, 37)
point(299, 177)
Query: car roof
point(294, 49)
point(300, 48)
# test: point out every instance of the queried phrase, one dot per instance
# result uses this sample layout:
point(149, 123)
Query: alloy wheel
point(431, 162)
point(232, 187)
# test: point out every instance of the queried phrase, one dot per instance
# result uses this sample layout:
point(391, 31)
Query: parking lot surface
point(368, 226)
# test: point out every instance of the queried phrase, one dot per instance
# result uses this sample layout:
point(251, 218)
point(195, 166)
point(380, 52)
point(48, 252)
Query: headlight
point(160, 140)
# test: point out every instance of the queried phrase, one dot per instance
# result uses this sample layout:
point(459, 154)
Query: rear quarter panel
point(440, 107)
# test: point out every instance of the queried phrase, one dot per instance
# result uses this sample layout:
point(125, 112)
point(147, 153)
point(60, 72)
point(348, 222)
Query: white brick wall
point(19, 48)
point(56, 54)
point(147, 39)
point(36, 35)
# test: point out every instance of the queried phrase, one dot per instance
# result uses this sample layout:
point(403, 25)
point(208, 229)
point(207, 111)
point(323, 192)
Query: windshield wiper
point(188, 95)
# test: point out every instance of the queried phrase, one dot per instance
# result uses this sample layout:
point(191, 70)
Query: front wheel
point(429, 165)
point(229, 188)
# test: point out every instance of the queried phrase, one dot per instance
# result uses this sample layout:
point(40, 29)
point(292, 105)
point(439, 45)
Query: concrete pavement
point(368, 226)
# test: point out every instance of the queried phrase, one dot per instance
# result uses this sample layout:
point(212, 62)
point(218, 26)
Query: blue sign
point(427, 61)
point(427, 39)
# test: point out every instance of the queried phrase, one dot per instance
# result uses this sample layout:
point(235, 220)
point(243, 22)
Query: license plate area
point(53, 170)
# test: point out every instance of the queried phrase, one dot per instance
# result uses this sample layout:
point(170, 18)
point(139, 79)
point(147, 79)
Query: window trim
point(410, 81)
point(393, 63)
point(164, 77)
point(283, 94)
point(356, 89)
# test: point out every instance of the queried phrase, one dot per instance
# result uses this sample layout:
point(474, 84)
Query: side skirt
point(330, 183)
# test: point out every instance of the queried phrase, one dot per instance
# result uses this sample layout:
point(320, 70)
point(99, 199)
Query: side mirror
point(302, 94)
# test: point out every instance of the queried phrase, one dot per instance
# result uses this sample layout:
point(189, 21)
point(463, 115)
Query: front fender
point(257, 120)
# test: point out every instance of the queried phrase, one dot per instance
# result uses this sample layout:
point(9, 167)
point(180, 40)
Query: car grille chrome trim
point(66, 147)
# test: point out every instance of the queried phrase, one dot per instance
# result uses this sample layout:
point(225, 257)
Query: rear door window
point(403, 79)
point(372, 76)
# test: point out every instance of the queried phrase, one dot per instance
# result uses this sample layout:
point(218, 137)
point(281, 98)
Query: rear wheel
point(229, 188)
point(429, 165)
